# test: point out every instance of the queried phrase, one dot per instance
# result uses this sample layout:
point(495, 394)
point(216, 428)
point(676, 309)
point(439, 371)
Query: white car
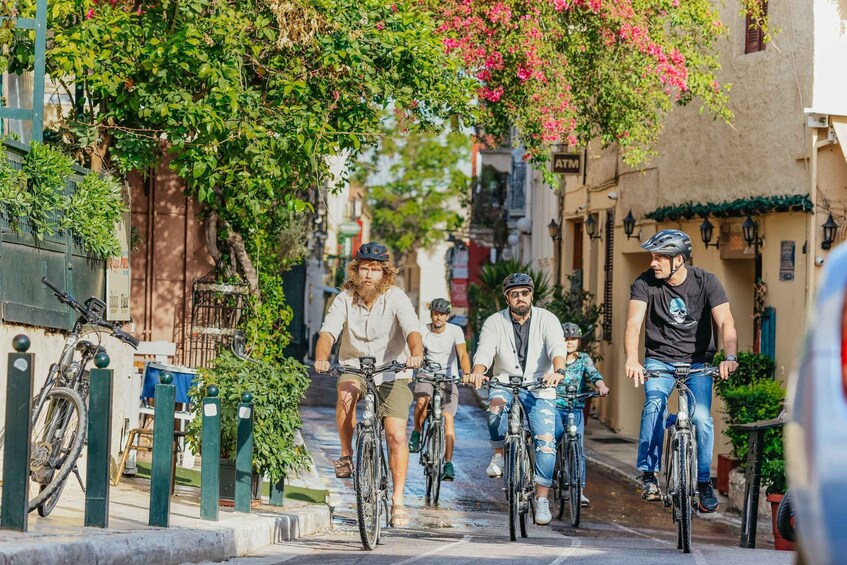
point(816, 437)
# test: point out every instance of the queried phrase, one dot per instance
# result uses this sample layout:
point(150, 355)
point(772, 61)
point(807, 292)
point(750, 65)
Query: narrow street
point(470, 524)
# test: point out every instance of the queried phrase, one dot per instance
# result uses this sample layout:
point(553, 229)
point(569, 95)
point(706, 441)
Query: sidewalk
point(61, 538)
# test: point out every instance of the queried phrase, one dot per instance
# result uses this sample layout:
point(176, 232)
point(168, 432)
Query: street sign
point(349, 228)
point(567, 163)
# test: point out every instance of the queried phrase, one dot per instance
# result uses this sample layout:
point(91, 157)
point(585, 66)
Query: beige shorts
point(395, 397)
point(449, 399)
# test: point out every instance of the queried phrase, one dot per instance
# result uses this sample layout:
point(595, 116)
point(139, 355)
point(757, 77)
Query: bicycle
point(519, 460)
point(433, 444)
point(568, 474)
point(59, 412)
point(681, 454)
point(370, 473)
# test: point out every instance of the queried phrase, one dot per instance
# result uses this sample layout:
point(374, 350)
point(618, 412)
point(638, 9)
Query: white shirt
point(441, 347)
point(497, 346)
point(380, 332)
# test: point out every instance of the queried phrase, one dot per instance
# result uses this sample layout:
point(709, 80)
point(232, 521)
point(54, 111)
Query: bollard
point(161, 474)
point(97, 478)
point(277, 497)
point(17, 450)
point(244, 455)
point(210, 449)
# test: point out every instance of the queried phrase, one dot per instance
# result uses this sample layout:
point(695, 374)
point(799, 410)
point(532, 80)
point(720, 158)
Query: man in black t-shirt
point(679, 304)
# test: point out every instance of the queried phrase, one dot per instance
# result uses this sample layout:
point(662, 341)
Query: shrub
point(15, 201)
point(47, 170)
point(94, 210)
point(578, 306)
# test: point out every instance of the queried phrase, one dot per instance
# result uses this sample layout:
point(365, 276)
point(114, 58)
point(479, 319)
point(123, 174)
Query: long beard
point(363, 292)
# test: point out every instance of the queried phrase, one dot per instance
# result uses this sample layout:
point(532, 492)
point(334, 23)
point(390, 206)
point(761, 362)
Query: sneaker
point(542, 512)
point(415, 442)
point(448, 474)
point(583, 500)
point(650, 487)
point(495, 468)
point(708, 500)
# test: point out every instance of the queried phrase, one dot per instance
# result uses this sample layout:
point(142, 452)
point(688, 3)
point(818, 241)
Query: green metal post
point(277, 497)
point(161, 473)
point(99, 444)
point(210, 450)
point(244, 455)
point(16, 450)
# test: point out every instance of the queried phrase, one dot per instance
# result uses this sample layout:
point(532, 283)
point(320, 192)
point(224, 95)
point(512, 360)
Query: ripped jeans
point(541, 414)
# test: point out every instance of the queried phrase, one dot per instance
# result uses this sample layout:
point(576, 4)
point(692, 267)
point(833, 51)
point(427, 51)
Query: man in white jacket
point(528, 341)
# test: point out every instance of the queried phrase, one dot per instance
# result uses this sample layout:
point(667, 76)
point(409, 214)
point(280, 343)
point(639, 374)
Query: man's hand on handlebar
point(727, 368)
point(602, 389)
point(552, 379)
point(322, 366)
point(635, 371)
point(414, 361)
point(475, 379)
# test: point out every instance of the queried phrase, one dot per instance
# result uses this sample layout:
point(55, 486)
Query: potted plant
point(277, 390)
point(752, 367)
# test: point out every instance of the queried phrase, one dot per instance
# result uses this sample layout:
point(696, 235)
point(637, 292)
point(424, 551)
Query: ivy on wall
point(733, 208)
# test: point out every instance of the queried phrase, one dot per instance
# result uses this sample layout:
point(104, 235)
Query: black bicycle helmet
point(670, 243)
point(517, 280)
point(571, 330)
point(440, 305)
point(373, 251)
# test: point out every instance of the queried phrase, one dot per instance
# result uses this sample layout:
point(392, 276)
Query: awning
point(840, 125)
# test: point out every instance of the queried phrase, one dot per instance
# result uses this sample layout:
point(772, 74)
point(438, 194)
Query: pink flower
point(572, 140)
point(675, 3)
point(89, 14)
point(380, 26)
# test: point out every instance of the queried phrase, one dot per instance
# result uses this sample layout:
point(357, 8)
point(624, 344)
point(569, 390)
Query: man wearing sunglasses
point(523, 340)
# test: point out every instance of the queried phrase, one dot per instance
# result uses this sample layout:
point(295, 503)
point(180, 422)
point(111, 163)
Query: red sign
point(459, 293)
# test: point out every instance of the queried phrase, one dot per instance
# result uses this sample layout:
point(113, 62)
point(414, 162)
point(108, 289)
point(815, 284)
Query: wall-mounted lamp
point(554, 229)
point(706, 232)
point(629, 227)
point(829, 229)
point(750, 229)
point(591, 227)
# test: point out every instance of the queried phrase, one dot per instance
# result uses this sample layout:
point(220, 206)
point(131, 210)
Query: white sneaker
point(542, 512)
point(495, 468)
point(583, 500)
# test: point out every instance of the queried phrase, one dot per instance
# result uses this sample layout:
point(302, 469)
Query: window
point(754, 38)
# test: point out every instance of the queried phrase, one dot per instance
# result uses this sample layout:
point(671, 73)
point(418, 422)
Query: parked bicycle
point(59, 410)
point(568, 476)
point(681, 454)
point(519, 458)
point(433, 444)
point(370, 474)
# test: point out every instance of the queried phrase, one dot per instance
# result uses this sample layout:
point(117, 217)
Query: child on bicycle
point(579, 371)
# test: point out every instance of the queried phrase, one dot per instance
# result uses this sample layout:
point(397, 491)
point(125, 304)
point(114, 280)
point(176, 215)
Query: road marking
point(465, 539)
point(698, 557)
point(568, 552)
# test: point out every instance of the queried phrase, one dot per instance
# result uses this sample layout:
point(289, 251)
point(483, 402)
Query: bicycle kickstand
point(78, 477)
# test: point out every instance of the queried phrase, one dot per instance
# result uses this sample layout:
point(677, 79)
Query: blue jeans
point(562, 422)
point(657, 390)
point(541, 414)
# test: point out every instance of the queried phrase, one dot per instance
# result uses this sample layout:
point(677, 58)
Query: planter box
point(725, 465)
point(226, 491)
point(779, 542)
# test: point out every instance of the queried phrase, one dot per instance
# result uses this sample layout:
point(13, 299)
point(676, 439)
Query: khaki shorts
point(395, 397)
point(449, 398)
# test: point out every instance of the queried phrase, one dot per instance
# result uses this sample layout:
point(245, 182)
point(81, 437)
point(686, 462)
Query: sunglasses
point(519, 293)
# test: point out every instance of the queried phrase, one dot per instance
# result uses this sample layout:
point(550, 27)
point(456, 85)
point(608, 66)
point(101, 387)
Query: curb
point(217, 541)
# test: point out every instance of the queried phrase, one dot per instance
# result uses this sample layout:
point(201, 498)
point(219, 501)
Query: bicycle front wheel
point(366, 484)
point(682, 503)
point(437, 461)
point(575, 485)
point(513, 484)
point(58, 434)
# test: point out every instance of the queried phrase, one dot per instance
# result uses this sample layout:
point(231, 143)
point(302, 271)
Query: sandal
point(399, 516)
point(344, 467)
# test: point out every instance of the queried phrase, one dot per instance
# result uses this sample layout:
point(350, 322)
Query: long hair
point(352, 284)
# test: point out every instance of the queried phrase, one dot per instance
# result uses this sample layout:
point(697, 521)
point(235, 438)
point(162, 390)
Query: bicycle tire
point(426, 461)
point(785, 518)
point(524, 500)
point(575, 485)
point(60, 403)
point(50, 504)
point(560, 487)
point(366, 483)
point(513, 494)
point(683, 494)
point(437, 462)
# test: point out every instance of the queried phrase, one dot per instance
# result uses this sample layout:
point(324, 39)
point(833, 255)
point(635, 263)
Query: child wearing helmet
point(580, 372)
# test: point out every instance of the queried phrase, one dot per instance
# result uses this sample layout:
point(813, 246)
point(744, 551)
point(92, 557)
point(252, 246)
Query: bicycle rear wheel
point(560, 486)
point(437, 467)
point(513, 484)
point(366, 483)
point(58, 435)
point(682, 502)
point(575, 484)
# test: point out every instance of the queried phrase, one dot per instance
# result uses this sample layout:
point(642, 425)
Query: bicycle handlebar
point(394, 367)
point(509, 386)
point(707, 371)
point(436, 379)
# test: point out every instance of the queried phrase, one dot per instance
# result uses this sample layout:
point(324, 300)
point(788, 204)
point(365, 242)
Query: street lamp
point(555, 231)
point(829, 229)
point(706, 232)
point(750, 229)
point(629, 227)
point(591, 227)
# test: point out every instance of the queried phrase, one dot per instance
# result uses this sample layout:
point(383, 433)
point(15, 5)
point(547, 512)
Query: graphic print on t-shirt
point(679, 313)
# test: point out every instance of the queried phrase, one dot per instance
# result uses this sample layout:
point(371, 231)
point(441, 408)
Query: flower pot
point(725, 465)
point(779, 542)
point(226, 489)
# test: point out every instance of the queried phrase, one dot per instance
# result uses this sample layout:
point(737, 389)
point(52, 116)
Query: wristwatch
point(562, 372)
point(731, 358)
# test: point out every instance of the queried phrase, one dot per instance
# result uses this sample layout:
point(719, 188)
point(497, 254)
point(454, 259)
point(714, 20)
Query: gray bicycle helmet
point(571, 330)
point(440, 305)
point(517, 280)
point(670, 243)
point(373, 251)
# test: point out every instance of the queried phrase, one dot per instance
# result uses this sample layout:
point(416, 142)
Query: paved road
point(470, 526)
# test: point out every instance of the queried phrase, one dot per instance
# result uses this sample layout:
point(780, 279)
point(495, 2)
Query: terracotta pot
point(779, 542)
point(725, 465)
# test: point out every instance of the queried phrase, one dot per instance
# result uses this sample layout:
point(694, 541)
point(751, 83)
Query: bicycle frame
point(432, 456)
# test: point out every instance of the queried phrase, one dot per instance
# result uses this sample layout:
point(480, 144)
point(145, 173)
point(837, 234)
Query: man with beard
point(444, 344)
point(376, 319)
point(523, 340)
point(680, 304)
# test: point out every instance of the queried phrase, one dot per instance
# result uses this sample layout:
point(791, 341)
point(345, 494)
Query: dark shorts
point(395, 397)
point(450, 396)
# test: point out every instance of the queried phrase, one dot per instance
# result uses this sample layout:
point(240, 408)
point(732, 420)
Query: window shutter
point(754, 38)
point(607, 282)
